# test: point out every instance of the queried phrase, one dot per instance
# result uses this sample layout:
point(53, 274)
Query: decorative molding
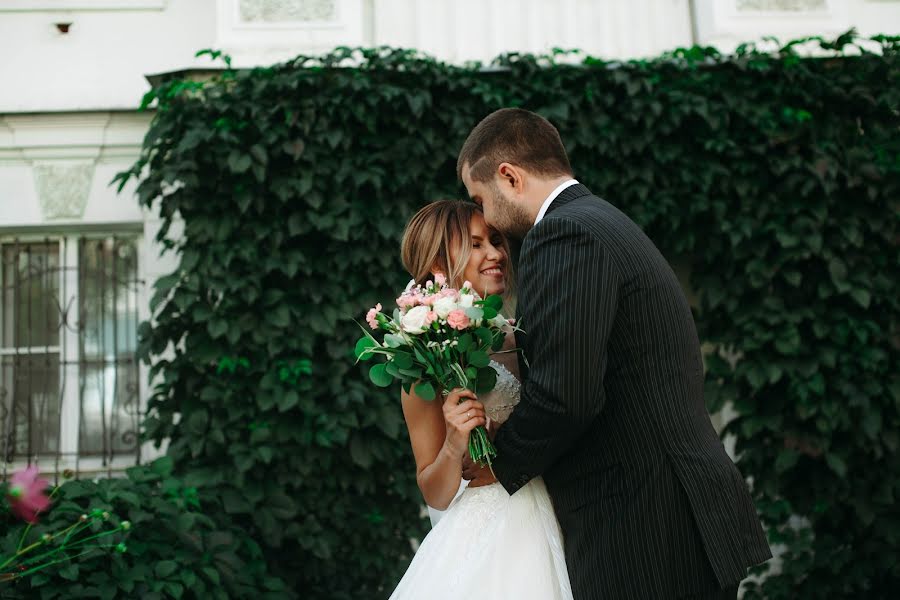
point(55, 138)
point(781, 5)
point(266, 31)
point(722, 21)
point(287, 11)
point(80, 5)
point(63, 188)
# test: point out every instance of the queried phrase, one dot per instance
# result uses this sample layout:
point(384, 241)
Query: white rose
point(414, 320)
point(466, 300)
point(499, 321)
point(444, 306)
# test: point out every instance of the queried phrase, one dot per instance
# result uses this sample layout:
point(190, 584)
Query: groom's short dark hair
point(516, 136)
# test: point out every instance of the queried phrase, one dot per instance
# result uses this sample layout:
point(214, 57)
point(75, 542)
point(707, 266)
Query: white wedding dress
point(489, 545)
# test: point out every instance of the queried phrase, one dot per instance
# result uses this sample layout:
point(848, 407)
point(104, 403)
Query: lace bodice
point(499, 402)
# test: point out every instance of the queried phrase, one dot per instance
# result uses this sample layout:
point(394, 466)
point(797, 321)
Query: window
point(69, 378)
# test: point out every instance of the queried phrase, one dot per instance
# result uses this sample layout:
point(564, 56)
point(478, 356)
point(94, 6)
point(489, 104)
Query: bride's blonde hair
point(431, 234)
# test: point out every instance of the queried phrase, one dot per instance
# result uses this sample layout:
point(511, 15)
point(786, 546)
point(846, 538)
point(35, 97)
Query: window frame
point(68, 456)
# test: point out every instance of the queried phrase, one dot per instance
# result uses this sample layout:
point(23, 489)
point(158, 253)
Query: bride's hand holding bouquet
point(439, 338)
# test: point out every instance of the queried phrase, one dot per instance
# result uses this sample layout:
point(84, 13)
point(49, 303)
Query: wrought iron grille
point(69, 378)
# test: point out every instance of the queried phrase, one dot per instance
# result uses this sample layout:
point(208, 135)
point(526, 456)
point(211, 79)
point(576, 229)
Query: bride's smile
point(486, 267)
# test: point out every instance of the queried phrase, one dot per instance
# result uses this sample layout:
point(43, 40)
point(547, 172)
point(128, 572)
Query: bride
point(488, 544)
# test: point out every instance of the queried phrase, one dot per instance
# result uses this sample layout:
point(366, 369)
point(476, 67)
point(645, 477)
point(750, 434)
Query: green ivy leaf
point(837, 464)
point(165, 568)
point(786, 460)
point(238, 163)
point(359, 452)
point(69, 572)
point(862, 297)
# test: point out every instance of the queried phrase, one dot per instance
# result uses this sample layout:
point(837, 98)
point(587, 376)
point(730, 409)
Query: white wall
point(101, 62)
point(460, 30)
point(111, 45)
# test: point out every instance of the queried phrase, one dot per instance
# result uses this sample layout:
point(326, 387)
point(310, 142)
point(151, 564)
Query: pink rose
point(370, 316)
point(458, 319)
point(430, 318)
point(27, 495)
point(440, 280)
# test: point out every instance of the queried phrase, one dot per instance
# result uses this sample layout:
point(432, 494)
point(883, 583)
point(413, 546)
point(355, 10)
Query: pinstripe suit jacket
point(612, 414)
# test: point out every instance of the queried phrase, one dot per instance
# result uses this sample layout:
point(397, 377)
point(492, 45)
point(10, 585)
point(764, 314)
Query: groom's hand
point(475, 475)
point(471, 471)
point(470, 468)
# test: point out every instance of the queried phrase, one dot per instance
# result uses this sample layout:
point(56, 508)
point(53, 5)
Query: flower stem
point(76, 545)
point(27, 529)
point(53, 562)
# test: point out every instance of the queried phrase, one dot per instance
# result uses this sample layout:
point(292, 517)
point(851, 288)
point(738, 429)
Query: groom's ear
point(511, 176)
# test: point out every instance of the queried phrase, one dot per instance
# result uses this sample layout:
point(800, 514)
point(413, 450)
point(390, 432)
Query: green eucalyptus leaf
point(486, 380)
point(403, 360)
point(479, 359)
point(364, 344)
point(463, 343)
point(380, 376)
point(424, 390)
point(393, 341)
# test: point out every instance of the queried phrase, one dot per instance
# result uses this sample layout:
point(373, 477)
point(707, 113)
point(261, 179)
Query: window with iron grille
point(70, 393)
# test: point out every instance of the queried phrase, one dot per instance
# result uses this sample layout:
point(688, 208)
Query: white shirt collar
point(552, 197)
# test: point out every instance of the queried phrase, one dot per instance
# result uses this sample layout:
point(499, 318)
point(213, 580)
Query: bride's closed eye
point(494, 242)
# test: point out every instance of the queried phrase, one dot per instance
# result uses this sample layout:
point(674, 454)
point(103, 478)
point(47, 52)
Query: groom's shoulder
point(590, 212)
point(593, 220)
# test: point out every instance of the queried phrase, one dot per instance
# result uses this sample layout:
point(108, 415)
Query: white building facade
point(78, 259)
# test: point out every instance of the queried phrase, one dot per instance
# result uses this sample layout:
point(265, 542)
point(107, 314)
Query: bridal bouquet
point(438, 338)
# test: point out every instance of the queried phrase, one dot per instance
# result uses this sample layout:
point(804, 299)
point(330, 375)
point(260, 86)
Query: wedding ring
point(469, 414)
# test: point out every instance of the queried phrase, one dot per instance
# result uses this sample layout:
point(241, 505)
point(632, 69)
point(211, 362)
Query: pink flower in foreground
point(440, 280)
point(370, 316)
point(430, 318)
point(458, 319)
point(27, 494)
point(409, 300)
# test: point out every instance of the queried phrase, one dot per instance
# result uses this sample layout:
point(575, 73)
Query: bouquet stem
point(481, 448)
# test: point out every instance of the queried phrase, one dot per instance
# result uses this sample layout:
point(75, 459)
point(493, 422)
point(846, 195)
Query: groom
point(612, 412)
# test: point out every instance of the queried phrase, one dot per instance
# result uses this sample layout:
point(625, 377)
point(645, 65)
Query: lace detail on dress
point(499, 402)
